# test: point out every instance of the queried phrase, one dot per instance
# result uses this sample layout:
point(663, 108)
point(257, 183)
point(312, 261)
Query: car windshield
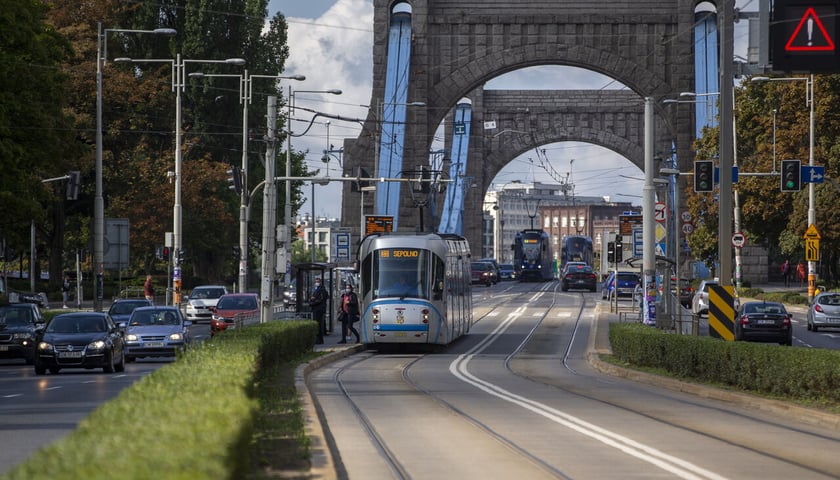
point(124, 308)
point(206, 293)
point(627, 277)
point(76, 324)
point(15, 316)
point(237, 303)
point(153, 317)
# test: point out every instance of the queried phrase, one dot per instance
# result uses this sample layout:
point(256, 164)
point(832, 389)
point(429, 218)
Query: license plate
point(399, 334)
point(830, 320)
point(4, 348)
point(70, 354)
point(153, 344)
point(766, 322)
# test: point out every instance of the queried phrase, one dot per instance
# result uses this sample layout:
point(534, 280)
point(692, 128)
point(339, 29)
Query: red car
point(234, 309)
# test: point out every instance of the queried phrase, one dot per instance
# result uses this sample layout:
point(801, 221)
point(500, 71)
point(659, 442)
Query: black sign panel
point(804, 36)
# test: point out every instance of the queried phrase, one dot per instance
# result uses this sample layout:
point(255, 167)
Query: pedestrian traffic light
point(704, 176)
point(619, 249)
point(235, 180)
point(791, 175)
point(165, 253)
point(611, 252)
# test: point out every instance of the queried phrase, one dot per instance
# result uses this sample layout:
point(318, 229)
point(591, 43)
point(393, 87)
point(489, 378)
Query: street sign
point(686, 216)
point(659, 212)
point(688, 228)
point(813, 174)
point(628, 223)
point(812, 232)
point(738, 240)
point(812, 250)
point(379, 224)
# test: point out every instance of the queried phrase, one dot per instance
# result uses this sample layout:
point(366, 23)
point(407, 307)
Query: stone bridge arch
point(457, 46)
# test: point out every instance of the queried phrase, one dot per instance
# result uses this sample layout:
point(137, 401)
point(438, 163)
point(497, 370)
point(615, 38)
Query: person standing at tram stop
point(348, 313)
point(801, 273)
point(318, 303)
point(149, 289)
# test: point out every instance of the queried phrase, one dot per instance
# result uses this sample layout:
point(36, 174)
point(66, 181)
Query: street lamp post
point(99, 203)
point(287, 214)
point(179, 67)
point(812, 215)
point(245, 98)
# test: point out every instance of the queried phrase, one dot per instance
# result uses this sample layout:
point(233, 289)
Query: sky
point(330, 42)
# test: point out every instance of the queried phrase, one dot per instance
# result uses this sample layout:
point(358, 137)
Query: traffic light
point(704, 176)
point(235, 179)
point(611, 252)
point(165, 253)
point(619, 249)
point(73, 184)
point(791, 175)
point(237, 252)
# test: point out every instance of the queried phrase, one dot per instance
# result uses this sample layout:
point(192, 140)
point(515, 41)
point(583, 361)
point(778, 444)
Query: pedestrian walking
point(149, 289)
point(348, 313)
point(318, 303)
point(801, 273)
point(65, 291)
point(786, 272)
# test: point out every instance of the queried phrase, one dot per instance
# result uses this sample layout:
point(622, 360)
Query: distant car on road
point(497, 274)
point(121, 309)
point(482, 272)
point(18, 324)
point(507, 272)
point(700, 301)
point(231, 307)
point(80, 340)
point(626, 281)
point(761, 321)
point(156, 332)
point(201, 299)
point(579, 277)
point(824, 311)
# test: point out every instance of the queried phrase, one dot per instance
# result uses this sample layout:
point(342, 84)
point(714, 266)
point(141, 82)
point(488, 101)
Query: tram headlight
point(375, 315)
point(425, 315)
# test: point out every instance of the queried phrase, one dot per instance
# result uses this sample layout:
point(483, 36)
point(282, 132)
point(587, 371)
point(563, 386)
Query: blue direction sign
point(734, 174)
point(813, 174)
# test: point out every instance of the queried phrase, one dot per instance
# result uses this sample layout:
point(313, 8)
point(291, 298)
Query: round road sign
point(738, 239)
point(688, 228)
point(686, 216)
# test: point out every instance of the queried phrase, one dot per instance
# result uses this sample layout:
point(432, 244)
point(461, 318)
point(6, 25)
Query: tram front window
point(401, 273)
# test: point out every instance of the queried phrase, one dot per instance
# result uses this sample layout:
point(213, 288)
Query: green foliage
point(194, 417)
point(788, 372)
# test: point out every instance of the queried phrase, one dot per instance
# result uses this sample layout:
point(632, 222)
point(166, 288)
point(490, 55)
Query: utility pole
point(269, 216)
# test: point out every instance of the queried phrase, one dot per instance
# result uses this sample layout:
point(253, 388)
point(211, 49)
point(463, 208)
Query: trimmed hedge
point(789, 372)
point(193, 419)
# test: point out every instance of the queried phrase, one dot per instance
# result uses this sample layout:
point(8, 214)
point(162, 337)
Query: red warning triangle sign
point(810, 39)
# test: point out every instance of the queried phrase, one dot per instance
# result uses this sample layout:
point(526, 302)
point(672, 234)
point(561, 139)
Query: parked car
point(121, 309)
point(579, 277)
point(231, 307)
point(824, 311)
point(201, 299)
point(761, 321)
point(156, 332)
point(80, 340)
point(482, 272)
point(18, 324)
point(627, 282)
point(507, 272)
point(700, 301)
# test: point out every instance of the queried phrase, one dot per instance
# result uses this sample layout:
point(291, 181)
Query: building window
point(564, 222)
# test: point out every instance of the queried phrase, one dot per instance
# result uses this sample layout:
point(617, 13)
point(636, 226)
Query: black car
point(80, 340)
point(579, 277)
point(18, 324)
point(121, 308)
point(760, 321)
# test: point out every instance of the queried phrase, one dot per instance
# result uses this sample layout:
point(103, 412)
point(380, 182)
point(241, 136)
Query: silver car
point(156, 332)
point(700, 301)
point(824, 311)
point(201, 299)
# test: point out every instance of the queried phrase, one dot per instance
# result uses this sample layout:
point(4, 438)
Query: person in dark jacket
point(348, 313)
point(318, 303)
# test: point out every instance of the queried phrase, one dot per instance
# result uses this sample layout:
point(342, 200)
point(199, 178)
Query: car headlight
point(177, 337)
point(45, 346)
point(131, 337)
point(96, 345)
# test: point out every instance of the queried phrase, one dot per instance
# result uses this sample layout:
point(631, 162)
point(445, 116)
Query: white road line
point(669, 463)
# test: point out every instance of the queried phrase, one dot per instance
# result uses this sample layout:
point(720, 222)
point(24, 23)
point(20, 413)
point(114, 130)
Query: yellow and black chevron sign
point(722, 312)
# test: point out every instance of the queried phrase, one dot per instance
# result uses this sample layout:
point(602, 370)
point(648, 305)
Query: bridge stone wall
point(458, 45)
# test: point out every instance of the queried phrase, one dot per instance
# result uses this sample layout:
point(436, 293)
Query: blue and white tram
point(532, 256)
point(414, 288)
